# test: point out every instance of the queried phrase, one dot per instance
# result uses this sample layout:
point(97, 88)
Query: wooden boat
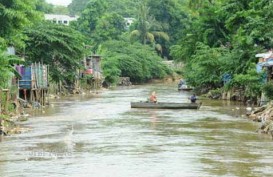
point(165, 105)
point(185, 88)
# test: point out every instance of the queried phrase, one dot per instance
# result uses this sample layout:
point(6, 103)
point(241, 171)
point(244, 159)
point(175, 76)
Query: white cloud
point(59, 2)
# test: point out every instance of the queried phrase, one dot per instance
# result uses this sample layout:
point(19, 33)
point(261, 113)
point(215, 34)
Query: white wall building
point(66, 19)
point(60, 19)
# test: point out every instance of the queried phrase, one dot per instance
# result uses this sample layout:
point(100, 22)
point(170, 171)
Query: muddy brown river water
point(101, 136)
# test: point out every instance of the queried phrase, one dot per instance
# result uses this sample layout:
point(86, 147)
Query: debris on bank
point(9, 125)
point(124, 81)
point(264, 115)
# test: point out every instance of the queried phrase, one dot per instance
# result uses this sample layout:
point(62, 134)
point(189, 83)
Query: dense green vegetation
point(147, 29)
point(14, 17)
point(223, 38)
point(213, 38)
point(60, 47)
point(136, 61)
point(6, 69)
point(42, 6)
point(125, 8)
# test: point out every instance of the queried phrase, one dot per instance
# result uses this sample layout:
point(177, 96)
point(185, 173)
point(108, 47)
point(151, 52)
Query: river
point(102, 136)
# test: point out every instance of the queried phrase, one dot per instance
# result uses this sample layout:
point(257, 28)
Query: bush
point(268, 90)
point(137, 61)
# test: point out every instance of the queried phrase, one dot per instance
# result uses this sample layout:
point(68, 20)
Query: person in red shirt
point(153, 97)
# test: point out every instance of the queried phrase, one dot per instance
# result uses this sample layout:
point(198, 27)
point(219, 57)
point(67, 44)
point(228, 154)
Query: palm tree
point(147, 28)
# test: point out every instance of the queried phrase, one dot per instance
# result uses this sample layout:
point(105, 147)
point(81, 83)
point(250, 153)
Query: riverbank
point(10, 122)
point(264, 115)
point(10, 125)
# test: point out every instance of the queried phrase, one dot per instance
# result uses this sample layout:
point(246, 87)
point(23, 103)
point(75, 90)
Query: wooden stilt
point(42, 99)
point(36, 95)
point(25, 94)
point(31, 95)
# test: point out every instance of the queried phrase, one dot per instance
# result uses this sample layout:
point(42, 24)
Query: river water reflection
point(102, 136)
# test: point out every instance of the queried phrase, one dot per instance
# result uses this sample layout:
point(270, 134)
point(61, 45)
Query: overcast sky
point(59, 2)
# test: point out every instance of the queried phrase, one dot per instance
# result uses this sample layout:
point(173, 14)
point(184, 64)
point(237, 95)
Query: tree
point(125, 8)
point(59, 46)
point(98, 24)
point(90, 16)
point(204, 70)
point(251, 82)
point(15, 15)
point(7, 69)
point(147, 28)
point(109, 27)
point(223, 38)
point(43, 6)
point(195, 4)
point(137, 61)
point(60, 10)
point(77, 6)
point(171, 14)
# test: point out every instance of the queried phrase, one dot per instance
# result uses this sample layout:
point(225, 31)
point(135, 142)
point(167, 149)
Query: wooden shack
point(265, 63)
point(92, 65)
point(33, 84)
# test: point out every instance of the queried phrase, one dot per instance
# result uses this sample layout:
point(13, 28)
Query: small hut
point(33, 84)
point(92, 65)
point(265, 62)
